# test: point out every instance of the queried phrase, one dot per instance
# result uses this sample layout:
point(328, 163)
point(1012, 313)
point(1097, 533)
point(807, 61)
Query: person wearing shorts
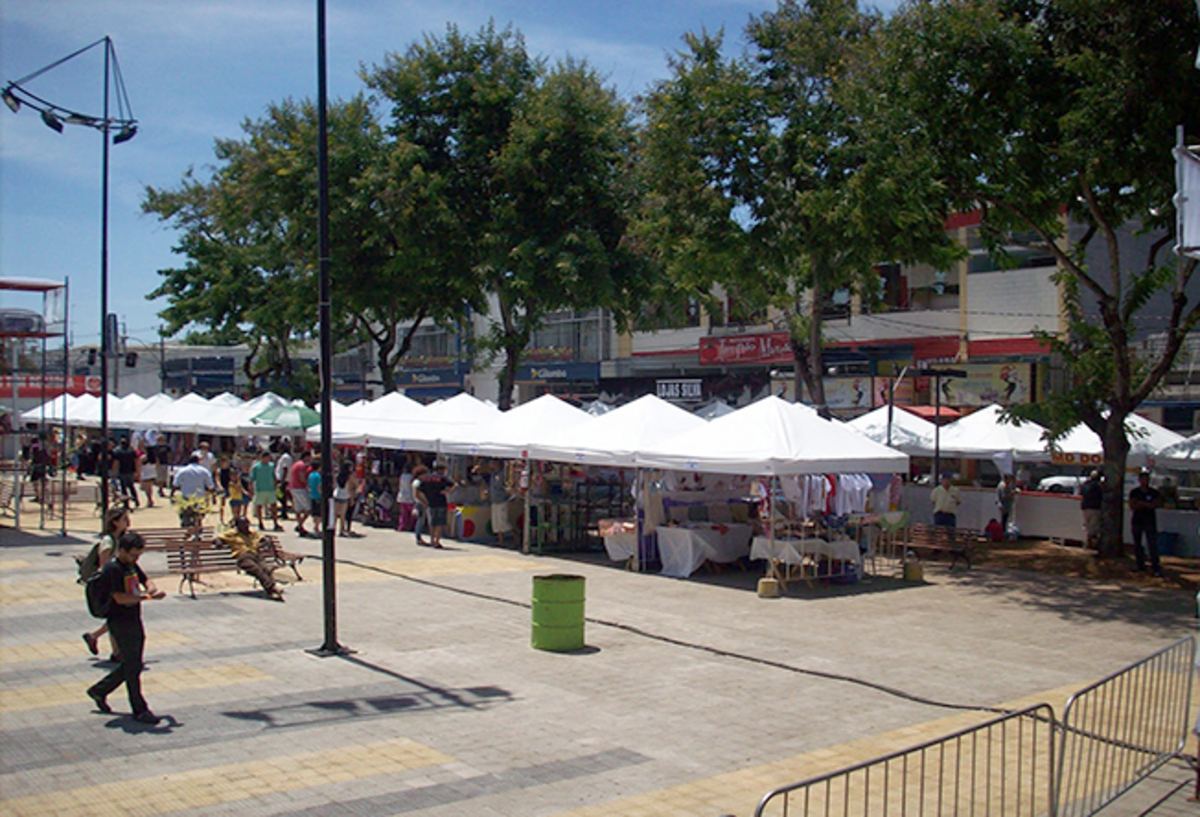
point(298, 488)
point(434, 488)
point(262, 481)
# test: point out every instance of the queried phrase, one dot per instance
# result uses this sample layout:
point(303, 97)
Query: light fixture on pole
point(16, 95)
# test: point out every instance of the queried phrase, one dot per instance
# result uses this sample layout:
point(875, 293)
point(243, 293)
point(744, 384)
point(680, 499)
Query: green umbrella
point(287, 417)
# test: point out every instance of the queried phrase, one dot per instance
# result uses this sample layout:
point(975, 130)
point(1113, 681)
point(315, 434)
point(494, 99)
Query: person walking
point(195, 483)
point(298, 488)
point(127, 586)
point(125, 463)
point(314, 498)
point(420, 510)
point(1144, 501)
point(116, 522)
point(945, 498)
point(262, 482)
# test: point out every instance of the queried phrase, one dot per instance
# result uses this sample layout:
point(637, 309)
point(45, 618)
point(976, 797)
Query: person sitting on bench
point(243, 544)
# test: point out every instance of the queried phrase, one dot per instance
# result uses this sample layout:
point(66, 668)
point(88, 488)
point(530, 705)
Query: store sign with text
point(736, 349)
point(1075, 458)
point(32, 385)
point(558, 372)
point(681, 390)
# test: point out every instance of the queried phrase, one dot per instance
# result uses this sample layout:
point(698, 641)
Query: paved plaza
point(691, 698)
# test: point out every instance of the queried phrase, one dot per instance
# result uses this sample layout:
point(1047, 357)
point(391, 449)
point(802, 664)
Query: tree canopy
point(533, 166)
point(1045, 115)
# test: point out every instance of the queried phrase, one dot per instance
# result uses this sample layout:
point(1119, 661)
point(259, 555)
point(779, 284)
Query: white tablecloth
point(799, 551)
point(620, 546)
point(683, 549)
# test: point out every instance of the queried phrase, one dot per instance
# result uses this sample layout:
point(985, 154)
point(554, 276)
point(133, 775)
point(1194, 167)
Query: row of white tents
point(770, 436)
point(983, 435)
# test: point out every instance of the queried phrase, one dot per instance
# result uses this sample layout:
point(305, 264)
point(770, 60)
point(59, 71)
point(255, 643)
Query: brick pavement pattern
point(691, 698)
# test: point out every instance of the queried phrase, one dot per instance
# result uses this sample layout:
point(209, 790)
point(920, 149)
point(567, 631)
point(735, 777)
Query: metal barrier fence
point(1003, 767)
point(1113, 734)
point(1122, 728)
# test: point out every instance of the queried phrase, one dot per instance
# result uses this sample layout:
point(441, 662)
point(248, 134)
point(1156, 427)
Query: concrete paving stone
point(700, 680)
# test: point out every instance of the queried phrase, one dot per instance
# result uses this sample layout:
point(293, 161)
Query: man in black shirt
point(433, 489)
point(126, 461)
point(127, 586)
point(1144, 502)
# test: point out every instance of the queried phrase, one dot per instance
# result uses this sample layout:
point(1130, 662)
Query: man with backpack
point(120, 589)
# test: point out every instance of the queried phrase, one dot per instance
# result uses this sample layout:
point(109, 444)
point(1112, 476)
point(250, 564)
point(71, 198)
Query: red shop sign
point(771, 348)
point(30, 385)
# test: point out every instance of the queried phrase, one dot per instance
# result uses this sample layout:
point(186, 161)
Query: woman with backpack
point(116, 522)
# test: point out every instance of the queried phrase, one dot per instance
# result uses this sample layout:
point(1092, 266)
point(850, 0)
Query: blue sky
point(196, 70)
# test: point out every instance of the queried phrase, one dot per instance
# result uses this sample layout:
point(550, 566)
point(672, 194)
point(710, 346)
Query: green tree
point(761, 179)
point(1046, 112)
point(530, 165)
point(250, 236)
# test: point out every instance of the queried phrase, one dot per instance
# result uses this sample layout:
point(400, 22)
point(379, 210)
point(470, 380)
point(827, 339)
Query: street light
point(16, 96)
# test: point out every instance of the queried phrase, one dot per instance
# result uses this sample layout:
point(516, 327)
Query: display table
point(685, 548)
point(815, 558)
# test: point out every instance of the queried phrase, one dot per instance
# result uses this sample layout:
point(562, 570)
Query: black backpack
point(99, 600)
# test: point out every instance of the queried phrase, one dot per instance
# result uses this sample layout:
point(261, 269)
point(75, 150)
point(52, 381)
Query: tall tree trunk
point(508, 374)
point(1112, 507)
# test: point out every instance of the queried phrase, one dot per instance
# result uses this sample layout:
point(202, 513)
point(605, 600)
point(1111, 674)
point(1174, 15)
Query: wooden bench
point(9, 495)
point(189, 560)
point(169, 538)
point(938, 539)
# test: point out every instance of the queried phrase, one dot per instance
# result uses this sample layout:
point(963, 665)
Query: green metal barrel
point(558, 612)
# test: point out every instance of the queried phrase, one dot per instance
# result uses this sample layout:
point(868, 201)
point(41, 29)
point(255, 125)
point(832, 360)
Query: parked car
point(1062, 484)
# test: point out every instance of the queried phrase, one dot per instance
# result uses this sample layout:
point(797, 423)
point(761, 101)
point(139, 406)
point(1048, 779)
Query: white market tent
point(1182, 456)
point(773, 436)
point(510, 436)
point(910, 433)
point(1146, 440)
point(616, 437)
point(982, 435)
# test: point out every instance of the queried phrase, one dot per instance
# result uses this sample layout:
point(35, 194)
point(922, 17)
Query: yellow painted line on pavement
point(73, 649)
point(231, 783)
point(13, 564)
point(43, 592)
point(153, 683)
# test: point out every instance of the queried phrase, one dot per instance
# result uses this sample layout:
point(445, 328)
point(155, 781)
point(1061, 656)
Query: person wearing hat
point(1091, 497)
point(1144, 501)
point(945, 498)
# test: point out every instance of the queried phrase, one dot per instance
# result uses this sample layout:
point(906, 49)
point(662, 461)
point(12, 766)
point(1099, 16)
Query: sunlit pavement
point(690, 697)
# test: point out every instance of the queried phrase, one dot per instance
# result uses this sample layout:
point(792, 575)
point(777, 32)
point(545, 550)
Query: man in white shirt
point(283, 469)
point(195, 482)
point(206, 458)
point(945, 500)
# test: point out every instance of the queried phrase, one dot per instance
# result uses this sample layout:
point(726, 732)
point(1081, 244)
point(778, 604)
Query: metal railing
point(1003, 767)
point(1121, 729)
point(1113, 734)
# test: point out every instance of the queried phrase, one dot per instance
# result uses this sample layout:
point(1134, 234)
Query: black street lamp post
point(15, 96)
